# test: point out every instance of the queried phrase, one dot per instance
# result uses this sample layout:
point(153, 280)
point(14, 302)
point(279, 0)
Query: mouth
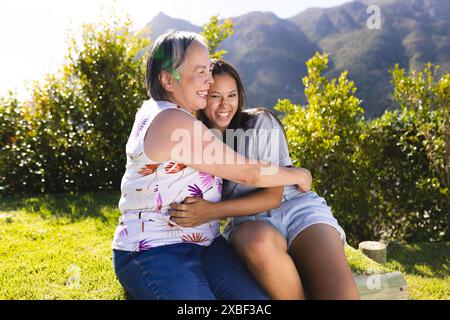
point(202, 94)
point(223, 115)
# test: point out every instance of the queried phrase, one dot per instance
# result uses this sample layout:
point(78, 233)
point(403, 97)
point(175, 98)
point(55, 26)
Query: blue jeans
point(186, 271)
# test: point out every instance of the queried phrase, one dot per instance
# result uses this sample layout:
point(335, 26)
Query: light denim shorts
point(297, 212)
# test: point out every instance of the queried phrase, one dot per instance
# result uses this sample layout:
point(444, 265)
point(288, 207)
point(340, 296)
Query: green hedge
point(72, 134)
point(386, 178)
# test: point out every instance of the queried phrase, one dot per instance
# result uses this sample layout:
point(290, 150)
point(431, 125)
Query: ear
point(166, 80)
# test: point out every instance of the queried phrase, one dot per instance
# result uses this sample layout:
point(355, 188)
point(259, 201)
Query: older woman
point(154, 257)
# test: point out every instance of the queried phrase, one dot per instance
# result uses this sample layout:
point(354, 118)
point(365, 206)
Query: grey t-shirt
point(264, 140)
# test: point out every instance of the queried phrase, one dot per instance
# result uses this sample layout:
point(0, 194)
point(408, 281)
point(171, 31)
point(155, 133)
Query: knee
point(260, 252)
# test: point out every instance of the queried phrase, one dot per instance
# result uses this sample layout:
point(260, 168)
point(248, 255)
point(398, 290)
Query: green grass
point(59, 247)
point(46, 240)
point(425, 267)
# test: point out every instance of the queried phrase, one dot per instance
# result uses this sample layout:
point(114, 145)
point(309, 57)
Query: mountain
point(162, 23)
point(413, 32)
point(270, 53)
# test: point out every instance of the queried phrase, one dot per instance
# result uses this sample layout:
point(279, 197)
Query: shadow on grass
point(75, 206)
point(422, 258)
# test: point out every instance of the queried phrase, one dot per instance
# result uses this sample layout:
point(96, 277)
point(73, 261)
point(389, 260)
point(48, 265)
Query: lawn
point(59, 247)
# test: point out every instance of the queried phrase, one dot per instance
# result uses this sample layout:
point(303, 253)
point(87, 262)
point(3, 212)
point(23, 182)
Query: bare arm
point(196, 211)
point(259, 201)
point(175, 135)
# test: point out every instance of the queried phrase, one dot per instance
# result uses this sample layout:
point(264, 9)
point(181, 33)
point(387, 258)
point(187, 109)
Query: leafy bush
point(72, 133)
point(415, 154)
point(386, 178)
point(215, 33)
point(325, 136)
point(17, 145)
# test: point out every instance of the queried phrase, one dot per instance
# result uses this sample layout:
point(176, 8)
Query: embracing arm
point(195, 211)
point(259, 201)
point(177, 136)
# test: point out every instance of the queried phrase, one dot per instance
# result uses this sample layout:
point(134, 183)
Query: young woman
point(170, 156)
point(293, 249)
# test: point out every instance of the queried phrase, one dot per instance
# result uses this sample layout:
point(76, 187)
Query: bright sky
point(33, 33)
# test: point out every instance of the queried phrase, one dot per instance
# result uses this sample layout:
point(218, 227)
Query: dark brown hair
point(223, 67)
point(242, 117)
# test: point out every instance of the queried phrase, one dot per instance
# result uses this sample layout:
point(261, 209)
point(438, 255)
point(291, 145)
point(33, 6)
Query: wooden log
point(384, 286)
point(374, 250)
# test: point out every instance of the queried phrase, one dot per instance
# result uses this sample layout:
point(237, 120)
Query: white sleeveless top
point(148, 188)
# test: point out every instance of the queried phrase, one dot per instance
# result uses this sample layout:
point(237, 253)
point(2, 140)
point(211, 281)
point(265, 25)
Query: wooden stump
point(374, 250)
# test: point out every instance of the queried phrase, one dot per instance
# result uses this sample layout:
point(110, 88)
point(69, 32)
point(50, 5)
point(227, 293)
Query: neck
point(171, 99)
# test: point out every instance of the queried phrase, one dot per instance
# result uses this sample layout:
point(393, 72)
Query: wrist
point(218, 210)
point(301, 176)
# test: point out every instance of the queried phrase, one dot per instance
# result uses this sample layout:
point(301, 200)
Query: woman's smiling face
point(191, 89)
point(222, 101)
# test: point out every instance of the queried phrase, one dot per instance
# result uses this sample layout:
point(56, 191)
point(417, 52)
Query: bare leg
point(264, 251)
point(320, 258)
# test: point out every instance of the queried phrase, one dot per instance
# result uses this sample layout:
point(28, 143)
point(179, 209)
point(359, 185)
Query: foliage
point(215, 34)
point(407, 155)
point(386, 178)
point(325, 137)
point(428, 102)
point(17, 144)
point(78, 119)
point(421, 153)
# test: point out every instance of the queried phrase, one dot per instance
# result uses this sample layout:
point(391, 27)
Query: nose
point(210, 79)
point(224, 101)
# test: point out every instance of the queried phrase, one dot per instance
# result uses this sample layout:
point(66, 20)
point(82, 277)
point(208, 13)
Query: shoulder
point(165, 132)
point(260, 118)
point(170, 119)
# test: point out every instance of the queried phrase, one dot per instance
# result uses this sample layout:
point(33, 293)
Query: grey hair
point(167, 54)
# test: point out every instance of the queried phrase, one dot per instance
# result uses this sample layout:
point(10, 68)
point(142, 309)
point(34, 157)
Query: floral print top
point(148, 188)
